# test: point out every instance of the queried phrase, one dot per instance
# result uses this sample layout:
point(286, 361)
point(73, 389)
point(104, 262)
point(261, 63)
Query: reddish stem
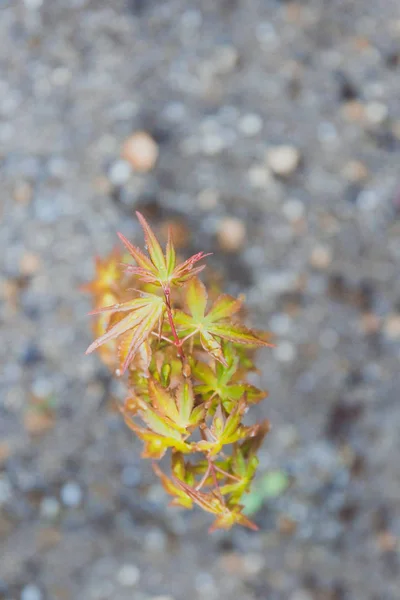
point(177, 341)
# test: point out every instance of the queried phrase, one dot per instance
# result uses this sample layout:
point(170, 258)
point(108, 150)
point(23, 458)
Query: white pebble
point(120, 172)
point(31, 592)
point(128, 575)
point(212, 144)
point(293, 209)
point(5, 490)
point(33, 4)
point(71, 494)
point(49, 508)
point(259, 177)
point(376, 113)
point(285, 352)
point(250, 124)
point(283, 160)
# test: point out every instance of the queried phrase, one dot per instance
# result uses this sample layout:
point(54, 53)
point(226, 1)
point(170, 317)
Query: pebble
point(231, 234)
point(259, 177)
point(354, 111)
point(155, 540)
point(293, 209)
point(212, 144)
point(250, 124)
point(391, 326)
point(283, 160)
point(376, 113)
point(355, 171)
point(33, 4)
point(208, 199)
point(321, 257)
point(370, 323)
point(71, 494)
point(140, 150)
point(23, 193)
point(5, 490)
point(128, 575)
point(49, 508)
point(285, 352)
point(29, 263)
point(120, 172)
point(31, 592)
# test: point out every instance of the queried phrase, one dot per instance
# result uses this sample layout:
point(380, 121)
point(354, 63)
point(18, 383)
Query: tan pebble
point(232, 562)
point(370, 323)
point(5, 452)
point(286, 525)
point(231, 234)
point(321, 257)
point(29, 264)
point(141, 151)
point(387, 542)
point(48, 538)
point(354, 111)
point(283, 160)
point(355, 171)
point(392, 326)
point(37, 423)
point(23, 193)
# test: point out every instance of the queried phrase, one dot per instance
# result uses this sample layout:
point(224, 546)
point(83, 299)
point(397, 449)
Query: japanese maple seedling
point(185, 357)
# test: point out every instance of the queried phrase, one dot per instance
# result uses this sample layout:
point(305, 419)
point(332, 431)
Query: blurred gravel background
point(277, 128)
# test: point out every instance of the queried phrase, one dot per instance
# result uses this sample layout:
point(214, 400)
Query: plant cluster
point(185, 357)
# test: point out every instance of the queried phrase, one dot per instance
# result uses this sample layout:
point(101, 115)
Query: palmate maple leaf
point(223, 383)
point(159, 269)
point(145, 313)
point(225, 430)
point(227, 516)
point(159, 435)
point(214, 323)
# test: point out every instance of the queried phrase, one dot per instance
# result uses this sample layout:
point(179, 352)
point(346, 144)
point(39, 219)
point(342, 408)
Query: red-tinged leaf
point(145, 314)
point(153, 246)
point(226, 516)
point(138, 255)
point(208, 502)
point(238, 334)
point(231, 517)
point(180, 497)
point(224, 307)
point(185, 271)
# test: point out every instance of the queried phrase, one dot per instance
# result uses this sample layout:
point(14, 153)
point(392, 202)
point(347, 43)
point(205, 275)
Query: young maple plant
point(185, 357)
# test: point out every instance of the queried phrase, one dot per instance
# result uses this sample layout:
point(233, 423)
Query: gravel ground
point(278, 132)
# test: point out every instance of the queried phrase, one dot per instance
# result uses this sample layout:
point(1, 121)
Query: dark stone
point(347, 90)
point(342, 417)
